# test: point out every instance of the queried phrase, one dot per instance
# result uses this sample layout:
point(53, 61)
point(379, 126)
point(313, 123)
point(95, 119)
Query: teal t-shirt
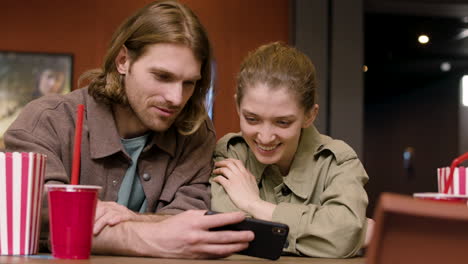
point(131, 192)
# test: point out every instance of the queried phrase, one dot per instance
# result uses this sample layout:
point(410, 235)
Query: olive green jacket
point(322, 199)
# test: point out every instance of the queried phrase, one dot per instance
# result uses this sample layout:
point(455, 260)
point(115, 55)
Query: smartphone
point(270, 237)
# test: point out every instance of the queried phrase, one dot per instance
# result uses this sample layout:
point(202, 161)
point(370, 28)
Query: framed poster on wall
point(25, 76)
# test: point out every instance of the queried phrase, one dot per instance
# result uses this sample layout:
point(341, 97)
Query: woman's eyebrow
point(247, 112)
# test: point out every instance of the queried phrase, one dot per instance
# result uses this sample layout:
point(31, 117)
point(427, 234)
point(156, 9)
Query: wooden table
point(235, 259)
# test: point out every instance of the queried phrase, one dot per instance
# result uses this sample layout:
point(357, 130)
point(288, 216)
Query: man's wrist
point(128, 238)
point(151, 217)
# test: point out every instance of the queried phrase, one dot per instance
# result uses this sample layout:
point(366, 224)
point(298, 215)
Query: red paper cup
point(442, 197)
point(21, 186)
point(71, 218)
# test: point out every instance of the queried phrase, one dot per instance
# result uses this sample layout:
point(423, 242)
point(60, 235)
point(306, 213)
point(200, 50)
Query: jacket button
point(115, 182)
point(285, 191)
point(146, 176)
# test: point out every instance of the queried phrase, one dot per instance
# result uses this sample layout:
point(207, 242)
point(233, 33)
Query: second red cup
point(71, 217)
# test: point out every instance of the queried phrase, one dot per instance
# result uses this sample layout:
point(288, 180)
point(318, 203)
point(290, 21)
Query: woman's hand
point(242, 188)
point(369, 232)
point(239, 183)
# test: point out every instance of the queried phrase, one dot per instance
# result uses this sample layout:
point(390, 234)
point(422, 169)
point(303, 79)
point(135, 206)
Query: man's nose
point(174, 93)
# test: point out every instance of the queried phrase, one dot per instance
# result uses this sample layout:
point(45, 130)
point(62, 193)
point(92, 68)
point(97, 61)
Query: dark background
point(410, 102)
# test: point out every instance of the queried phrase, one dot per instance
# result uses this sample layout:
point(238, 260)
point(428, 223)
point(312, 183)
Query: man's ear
point(310, 116)
point(122, 61)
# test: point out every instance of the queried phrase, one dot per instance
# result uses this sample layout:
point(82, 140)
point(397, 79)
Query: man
point(146, 139)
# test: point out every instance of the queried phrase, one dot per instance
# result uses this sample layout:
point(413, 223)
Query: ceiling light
point(423, 39)
point(445, 66)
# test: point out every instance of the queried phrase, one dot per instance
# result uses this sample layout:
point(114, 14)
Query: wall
point(331, 34)
point(346, 87)
point(84, 29)
point(312, 16)
point(424, 119)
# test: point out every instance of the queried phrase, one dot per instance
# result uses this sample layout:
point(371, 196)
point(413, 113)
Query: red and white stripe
point(460, 183)
point(21, 187)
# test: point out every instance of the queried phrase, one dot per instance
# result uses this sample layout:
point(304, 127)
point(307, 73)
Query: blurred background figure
point(51, 81)
point(25, 76)
point(52, 76)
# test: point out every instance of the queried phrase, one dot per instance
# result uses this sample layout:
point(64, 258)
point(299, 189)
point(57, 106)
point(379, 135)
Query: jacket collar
point(298, 179)
point(104, 139)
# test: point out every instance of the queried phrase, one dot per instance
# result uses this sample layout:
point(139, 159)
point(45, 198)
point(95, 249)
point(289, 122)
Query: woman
point(279, 168)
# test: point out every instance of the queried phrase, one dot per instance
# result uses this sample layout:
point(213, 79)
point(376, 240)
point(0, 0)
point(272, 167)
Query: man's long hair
point(159, 22)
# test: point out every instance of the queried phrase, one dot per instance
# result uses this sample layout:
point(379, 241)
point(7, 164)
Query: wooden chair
point(409, 230)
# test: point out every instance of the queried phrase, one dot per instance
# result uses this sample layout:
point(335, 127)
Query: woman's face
point(271, 121)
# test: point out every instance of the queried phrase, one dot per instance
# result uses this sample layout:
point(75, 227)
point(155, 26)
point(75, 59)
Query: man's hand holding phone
point(270, 237)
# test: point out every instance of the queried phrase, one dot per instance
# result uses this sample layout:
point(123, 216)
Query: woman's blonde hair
point(159, 22)
point(278, 65)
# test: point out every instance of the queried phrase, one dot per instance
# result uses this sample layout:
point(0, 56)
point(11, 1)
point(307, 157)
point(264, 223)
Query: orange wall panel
point(84, 28)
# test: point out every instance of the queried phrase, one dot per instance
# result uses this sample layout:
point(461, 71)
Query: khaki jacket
point(322, 199)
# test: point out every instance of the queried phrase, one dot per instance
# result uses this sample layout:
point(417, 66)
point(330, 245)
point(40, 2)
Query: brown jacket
point(174, 169)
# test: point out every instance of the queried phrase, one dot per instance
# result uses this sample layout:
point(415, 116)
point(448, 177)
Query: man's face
point(160, 82)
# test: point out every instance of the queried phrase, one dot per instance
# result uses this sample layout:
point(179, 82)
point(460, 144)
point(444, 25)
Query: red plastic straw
point(455, 162)
point(77, 145)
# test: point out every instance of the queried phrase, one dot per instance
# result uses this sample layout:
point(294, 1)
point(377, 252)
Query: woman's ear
point(310, 116)
point(122, 61)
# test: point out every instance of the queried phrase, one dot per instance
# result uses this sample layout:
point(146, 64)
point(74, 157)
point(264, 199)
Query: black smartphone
point(270, 237)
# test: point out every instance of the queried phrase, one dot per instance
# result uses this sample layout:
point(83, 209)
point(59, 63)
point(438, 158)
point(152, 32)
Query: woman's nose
point(266, 135)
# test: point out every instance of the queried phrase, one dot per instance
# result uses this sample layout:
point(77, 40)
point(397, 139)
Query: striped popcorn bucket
point(458, 185)
point(452, 180)
point(21, 187)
